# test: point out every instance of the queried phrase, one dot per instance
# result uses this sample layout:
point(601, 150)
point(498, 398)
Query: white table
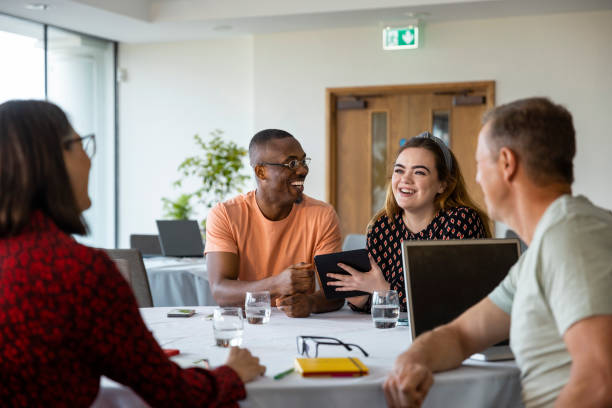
point(475, 384)
point(178, 281)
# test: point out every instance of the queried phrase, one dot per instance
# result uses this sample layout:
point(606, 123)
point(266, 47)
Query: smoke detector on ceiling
point(37, 6)
point(417, 14)
point(223, 27)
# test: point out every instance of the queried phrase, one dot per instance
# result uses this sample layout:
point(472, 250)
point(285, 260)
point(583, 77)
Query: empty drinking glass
point(257, 307)
point(385, 309)
point(228, 326)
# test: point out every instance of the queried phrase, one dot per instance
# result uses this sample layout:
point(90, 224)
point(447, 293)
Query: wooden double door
point(367, 124)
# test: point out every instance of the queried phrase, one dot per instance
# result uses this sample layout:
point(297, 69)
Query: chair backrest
point(511, 234)
point(129, 262)
point(354, 241)
point(147, 244)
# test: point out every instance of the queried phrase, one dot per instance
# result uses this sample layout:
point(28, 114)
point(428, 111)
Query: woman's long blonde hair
point(455, 194)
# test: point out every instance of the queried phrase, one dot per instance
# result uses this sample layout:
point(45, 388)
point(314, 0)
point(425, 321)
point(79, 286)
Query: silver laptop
point(180, 238)
point(445, 278)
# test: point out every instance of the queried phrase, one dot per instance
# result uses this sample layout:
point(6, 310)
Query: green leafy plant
point(217, 166)
point(180, 209)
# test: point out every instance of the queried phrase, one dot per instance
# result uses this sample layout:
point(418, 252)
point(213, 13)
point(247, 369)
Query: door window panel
point(379, 159)
point(440, 126)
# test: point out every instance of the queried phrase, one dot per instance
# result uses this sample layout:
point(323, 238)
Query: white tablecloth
point(178, 281)
point(475, 384)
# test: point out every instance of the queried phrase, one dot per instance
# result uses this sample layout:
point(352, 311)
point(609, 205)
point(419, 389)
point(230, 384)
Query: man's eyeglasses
point(88, 142)
point(292, 165)
point(309, 345)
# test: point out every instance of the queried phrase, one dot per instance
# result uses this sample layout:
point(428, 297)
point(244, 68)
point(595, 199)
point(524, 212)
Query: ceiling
point(175, 20)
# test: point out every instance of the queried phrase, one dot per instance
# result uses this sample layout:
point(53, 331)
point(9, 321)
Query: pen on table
point(283, 374)
point(203, 361)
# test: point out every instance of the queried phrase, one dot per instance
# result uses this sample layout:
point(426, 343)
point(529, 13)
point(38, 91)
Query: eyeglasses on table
point(306, 344)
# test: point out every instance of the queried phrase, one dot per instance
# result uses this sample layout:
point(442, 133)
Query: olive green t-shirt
point(564, 277)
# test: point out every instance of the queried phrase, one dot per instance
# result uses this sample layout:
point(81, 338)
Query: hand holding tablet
point(369, 281)
point(353, 263)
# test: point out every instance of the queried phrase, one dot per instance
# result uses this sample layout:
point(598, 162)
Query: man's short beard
point(299, 199)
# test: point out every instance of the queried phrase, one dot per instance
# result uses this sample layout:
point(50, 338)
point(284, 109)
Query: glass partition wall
point(80, 79)
point(76, 72)
point(22, 71)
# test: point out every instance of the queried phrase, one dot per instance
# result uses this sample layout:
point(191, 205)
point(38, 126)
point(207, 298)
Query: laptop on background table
point(180, 238)
point(445, 278)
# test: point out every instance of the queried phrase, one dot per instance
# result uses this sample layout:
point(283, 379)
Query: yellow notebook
point(330, 367)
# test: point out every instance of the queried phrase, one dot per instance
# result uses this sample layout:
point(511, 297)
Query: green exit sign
point(401, 38)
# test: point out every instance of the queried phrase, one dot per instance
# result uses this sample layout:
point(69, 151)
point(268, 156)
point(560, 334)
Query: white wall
point(566, 57)
point(173, 91)
point(279, 80)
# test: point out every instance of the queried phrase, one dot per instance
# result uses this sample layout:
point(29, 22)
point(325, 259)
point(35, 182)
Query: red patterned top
point(67, 317)
point(385, 239)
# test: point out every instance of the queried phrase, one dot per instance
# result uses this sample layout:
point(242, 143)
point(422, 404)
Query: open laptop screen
point(444, 278)
point(180, 238)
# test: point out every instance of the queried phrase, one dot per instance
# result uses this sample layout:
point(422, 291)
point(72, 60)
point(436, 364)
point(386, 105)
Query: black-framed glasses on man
point(292, 165)
point(88, 142)
point(306, 344)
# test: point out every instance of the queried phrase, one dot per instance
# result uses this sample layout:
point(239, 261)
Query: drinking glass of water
point(385, 309)
point(257, 307)
point(228, 326)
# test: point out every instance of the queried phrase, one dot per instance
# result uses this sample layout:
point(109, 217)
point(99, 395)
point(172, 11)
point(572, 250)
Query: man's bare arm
point(442, 349)
point(303, 304)
point(481, 326)
point(227, 290)
point(320, 304)
point(590, 384)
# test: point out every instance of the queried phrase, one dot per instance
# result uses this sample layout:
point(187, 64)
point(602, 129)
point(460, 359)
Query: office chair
point(512, 234)
point(129, 262)
point(354, 241)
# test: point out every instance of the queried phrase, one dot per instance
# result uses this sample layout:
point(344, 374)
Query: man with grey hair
point(556, 302)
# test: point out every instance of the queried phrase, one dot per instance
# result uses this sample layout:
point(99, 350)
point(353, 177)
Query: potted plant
point(180, 209)
point(217, 166)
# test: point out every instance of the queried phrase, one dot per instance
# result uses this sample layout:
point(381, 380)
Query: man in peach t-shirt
point(267, 239)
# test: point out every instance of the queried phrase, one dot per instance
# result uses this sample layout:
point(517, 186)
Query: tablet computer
point(328, 263)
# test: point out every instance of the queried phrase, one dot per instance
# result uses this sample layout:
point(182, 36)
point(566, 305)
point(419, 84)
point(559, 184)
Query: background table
point(475, 384)
point(178, 281)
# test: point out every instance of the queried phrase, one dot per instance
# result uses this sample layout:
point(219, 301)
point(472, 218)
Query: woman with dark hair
point(426, 199)
point(67, 316)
